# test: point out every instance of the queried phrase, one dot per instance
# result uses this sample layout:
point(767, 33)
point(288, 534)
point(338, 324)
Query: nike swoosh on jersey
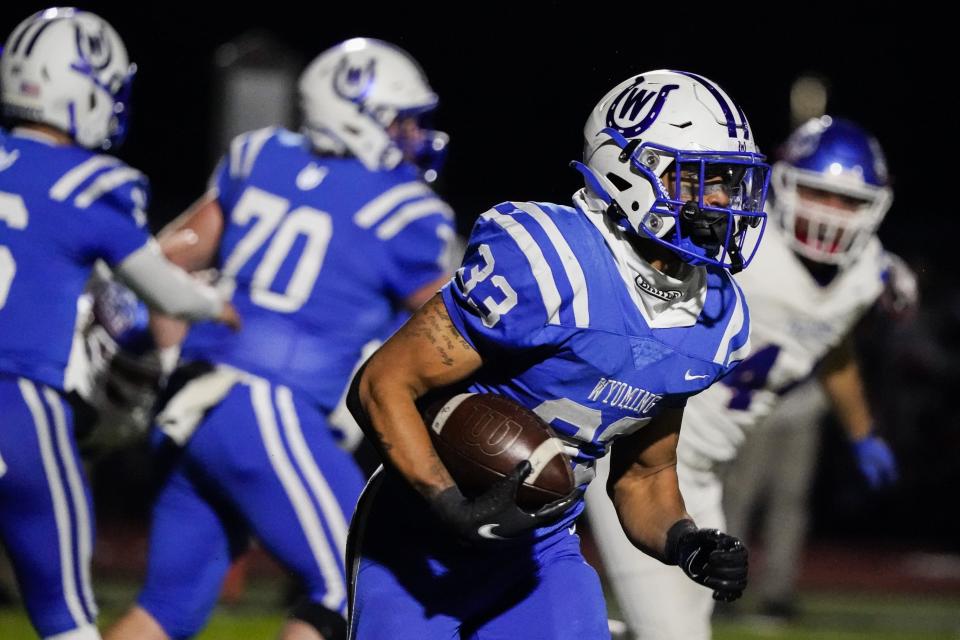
point(689, 376)
point(486, 531)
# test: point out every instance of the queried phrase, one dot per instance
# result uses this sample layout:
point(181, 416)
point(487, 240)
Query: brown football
point(482, 437)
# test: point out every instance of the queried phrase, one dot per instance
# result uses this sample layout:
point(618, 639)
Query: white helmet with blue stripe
point(681, 123)
point(68, 69)
point(353, 93)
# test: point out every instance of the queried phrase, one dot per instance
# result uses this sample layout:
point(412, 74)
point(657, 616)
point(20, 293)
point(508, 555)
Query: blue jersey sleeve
point(114, 223)
point(495, 299)
point(230, 176)
point(223, 183)
point(420, 253)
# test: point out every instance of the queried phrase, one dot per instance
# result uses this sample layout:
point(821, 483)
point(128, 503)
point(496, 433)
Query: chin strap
point(709, 231)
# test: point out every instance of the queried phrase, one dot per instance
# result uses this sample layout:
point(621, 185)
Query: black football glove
point(494, 514)
point(709, 557)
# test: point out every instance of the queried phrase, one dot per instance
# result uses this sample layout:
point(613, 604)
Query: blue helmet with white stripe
point(675, 161)
point(68, 69)
point(831, 189)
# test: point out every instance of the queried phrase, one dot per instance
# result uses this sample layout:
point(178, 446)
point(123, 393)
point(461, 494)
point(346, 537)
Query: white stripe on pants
point(58, 496)
point(297, 493)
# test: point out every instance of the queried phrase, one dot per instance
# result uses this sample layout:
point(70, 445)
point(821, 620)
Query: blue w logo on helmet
point(626, 108)
point(353, 83)
point(94, 48)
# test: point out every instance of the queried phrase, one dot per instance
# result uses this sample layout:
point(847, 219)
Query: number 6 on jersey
point(14, 213)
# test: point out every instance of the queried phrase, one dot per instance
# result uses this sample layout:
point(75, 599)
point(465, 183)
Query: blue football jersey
point(61, 208)
point(320, 253)
point(539, 296)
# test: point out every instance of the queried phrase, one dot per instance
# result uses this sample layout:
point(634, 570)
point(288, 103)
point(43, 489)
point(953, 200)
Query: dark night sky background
point(516, 84)
point(514, 91)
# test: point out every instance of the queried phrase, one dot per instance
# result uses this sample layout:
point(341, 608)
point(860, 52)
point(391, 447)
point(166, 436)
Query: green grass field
point(824, 617)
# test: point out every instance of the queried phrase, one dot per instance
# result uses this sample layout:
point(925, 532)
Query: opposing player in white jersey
point(63, 207)
point(818, 270)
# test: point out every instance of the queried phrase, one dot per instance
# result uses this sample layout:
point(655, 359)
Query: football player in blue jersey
point(65, 76)
point(321, 238)
point(603, 318)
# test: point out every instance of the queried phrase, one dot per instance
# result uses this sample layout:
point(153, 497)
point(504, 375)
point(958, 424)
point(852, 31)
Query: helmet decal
point(353, 83)
point(352, 94)
point(94, 47)
point(625, 110)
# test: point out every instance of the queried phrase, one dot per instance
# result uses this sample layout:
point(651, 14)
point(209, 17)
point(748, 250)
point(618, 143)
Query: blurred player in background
point(602, 318)
point(321, 238)
point(819, 269)
point(65, 83)
point(774, 467)
point(116, 369)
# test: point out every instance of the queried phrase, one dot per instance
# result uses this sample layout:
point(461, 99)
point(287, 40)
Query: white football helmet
point(831, 189)
point(352, 93)
point(68, 69)
point(681, 122)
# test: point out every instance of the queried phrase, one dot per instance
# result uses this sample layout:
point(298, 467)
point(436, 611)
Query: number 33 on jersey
point(549, 312)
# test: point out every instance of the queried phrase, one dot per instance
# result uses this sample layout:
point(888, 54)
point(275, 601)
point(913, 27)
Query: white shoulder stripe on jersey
point(372, 212)
point(72, 179)
point(410, 212)
point(740, 353)
point(447, 410)
point(244, 150)
point(236, 151)
point(307, 516)
point(332, 512)
point(581, 303)
point(3, 465)
point(539, 266)
point(77, 495)
point(255, 143)
point(58, 496)
point(106, 183)
point(721, 357)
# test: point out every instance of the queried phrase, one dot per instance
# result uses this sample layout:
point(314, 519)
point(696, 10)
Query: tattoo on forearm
point(435, 327)
point(437, 472)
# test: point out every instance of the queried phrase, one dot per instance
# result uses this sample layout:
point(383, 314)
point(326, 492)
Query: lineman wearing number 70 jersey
point(819, 269)
point(321, 238)
point(63, 207)
point(553, 309)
